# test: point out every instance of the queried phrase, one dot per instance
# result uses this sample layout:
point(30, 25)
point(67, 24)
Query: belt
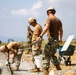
point(55, 38)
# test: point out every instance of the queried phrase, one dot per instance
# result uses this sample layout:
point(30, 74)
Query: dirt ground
point(73, 63)
point(68, 68)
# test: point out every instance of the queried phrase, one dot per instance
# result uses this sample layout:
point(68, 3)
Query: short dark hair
point(51, 11)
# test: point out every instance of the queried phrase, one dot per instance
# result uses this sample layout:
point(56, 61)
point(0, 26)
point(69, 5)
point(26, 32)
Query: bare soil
point(66, 70)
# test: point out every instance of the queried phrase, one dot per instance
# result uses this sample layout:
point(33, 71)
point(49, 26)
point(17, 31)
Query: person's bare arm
point(45, 29)
point(29, 29)
point(61, 34)
point(7, 56)
point(14, 53)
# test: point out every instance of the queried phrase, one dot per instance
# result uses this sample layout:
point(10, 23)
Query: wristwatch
point(40, 36)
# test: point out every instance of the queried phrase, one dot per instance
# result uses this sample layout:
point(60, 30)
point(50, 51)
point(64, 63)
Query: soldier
point(16, 49)
point(35, 33)
point(53, 27)
point(29, 41)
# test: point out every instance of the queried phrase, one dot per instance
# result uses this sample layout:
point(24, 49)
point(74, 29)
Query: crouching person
point(15, 48)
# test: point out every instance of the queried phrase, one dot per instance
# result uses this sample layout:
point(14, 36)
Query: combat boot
point(58, 67)
point(45, 72)
point(35, 70)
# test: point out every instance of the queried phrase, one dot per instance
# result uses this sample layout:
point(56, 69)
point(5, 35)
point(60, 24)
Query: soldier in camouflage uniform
point(17, 50)
point(29, 41)
point(53, 27)
point(35, 33)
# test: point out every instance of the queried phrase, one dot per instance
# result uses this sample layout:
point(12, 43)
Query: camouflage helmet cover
point(31, 19)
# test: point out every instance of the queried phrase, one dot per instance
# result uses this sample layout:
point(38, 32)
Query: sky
point(14, 15)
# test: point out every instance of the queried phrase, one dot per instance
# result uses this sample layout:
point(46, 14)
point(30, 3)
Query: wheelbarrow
point(65, 56)
point(66, 51)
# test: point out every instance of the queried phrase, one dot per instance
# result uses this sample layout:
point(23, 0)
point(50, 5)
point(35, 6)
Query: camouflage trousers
point(35, 53)
point(49, 52)
point(18, 57)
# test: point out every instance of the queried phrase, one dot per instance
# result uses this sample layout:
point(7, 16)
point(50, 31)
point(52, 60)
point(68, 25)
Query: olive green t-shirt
point(55, 25)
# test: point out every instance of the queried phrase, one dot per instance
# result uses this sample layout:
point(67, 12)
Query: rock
point(52, 72)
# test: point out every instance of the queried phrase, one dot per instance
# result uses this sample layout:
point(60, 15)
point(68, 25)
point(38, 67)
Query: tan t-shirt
point(55, 25)
point(13, 45)
point(36, 32)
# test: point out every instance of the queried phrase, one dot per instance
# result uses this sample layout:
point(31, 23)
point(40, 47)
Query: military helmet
point(51, 9)
point(31, 19)
point(2, 48)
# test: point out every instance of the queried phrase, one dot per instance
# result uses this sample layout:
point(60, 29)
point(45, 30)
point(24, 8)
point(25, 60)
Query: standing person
point(53, 27)
point(16, 49)
point(35, 34)
point(29, 41)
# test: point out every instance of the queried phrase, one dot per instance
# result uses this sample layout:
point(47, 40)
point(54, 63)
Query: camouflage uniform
point(37, 31)
point(35, 53)
point(53, 27)
point(19, 55)
point(18, 48)
point(49, 52)
point(29, 40)
point(35, 34)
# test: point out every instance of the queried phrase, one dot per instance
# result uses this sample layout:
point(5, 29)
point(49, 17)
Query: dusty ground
point(66, 70)
point(27, 65)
